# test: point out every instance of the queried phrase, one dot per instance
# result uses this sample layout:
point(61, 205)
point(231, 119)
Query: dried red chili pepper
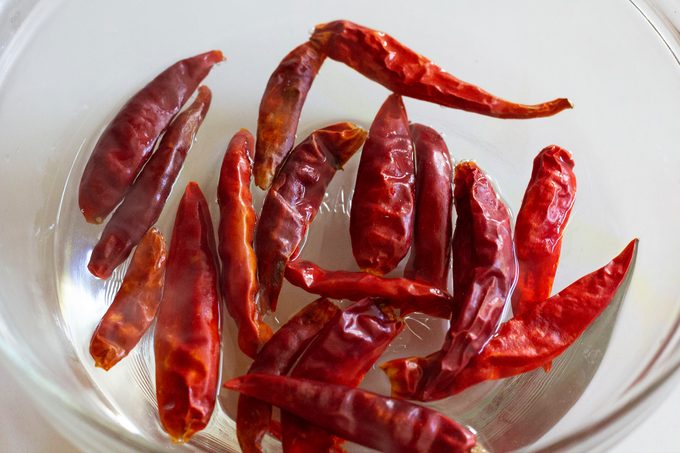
point(375, 421)
point(277, 356)
point(294, 198)
point(431, 248)
point(407, 295)
point(128, 140)
point(146, 198)
point(187, 336)
point(381, 218)
point(236, 231)
point(280, 109)
point(540, 224)
point(385, 60)
point(483, 274)
point(135, 305)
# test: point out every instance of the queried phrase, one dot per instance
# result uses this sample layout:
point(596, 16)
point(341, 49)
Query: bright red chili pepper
point(128, 140)
point(280, 109)
point(381, 217)
point(294, 198)
point(187, 337)
point(135, 305)
point(146, 198)
point(385, 60)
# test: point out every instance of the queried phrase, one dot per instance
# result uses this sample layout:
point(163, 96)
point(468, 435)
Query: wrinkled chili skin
point(277, 356)
point(407, 295)
point(127, 142)
point(381, 217)
point(431, 248)
point(366, 418)
point(280, 109)
point(187, 338)
point(383, 59)
point(540, 224)
point(294, 199)
point(235, 247)
point(146, 198)
point(135, 304)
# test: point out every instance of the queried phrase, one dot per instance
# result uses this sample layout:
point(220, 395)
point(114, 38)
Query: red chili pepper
point(431, 249)
point(483, 275)
point(294, 198)
point(277, 356)
point(381, 218)
point(187, 336)
point(375, 421)
point(135, 305)
point(236, 231)
point(146, 198)
point(280, 109)
point(128, 140)
point(407, 295)
point(540, 224)
point(385, 60)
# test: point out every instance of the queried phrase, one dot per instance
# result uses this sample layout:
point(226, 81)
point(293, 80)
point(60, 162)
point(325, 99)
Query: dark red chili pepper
point(236, 231)
point(135, 305)
point(146, 198)
point(385, 60)
point(294, 198)
point(187, 336)
point(381, 218)
point(375, 421)
point(277, 356)
point(280, 109)
point(483, 274)
point(431, 248)
point(127, 142)
point(540, 224)
point(407, 295)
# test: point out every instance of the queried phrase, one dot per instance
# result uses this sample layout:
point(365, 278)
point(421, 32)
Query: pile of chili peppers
point(406, 190)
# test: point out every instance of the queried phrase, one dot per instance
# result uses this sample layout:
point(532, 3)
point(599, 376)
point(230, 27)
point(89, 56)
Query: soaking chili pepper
point(280, 109)
point(343, 353)
point(540, 224)
point(381, 217)
point(369, 419)
point(187, 336)
point(128, 140)
point(388, 62)
point(431, 248)
point(294, 198)
point(407, 295)
point(236, 231)
point(483, 275)
point(146, 198)
point(135, 305)
point(277, 356)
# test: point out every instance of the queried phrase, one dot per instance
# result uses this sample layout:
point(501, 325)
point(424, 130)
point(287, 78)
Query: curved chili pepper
point(277, 356)
point(187, 337)
point(135, 305)
point(146, 198)
point(128, 140)
point(375, 421)
point(540, 224)
point(407, 295)
point(385, 60)
point(381, 217)
point(236, 231)
point(483, 274)
point(431, 248)
point(280, 109)
point(294, 198)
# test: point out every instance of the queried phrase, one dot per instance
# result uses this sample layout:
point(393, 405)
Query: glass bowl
point(67, 66)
